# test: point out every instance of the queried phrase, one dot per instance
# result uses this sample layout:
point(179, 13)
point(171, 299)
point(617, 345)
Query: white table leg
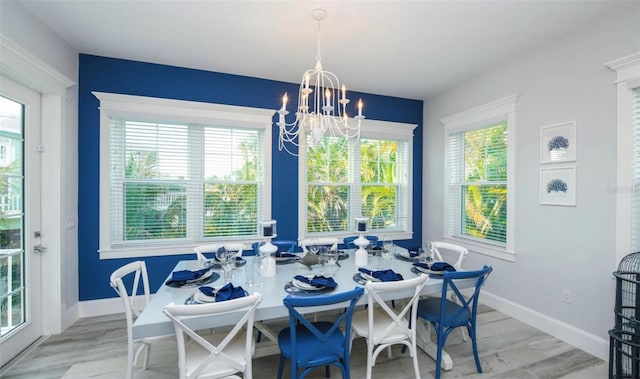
point(268, 347)
point(423, 340)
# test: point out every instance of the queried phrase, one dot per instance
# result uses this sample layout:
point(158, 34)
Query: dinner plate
point(406, 256)
point(199, 298)
point(293, 290)
point(207, 278)
point(419, 270)
point(305, 286)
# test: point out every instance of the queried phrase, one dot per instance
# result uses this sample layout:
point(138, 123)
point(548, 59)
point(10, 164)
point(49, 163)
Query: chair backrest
point(139, 271)
point(450, 253)
point(348, 241)
point(227, 364)
point(398, 317)
point(284, 246)
point(468, 306)
point(331, 242)
point(201, 250)
point(343, 322)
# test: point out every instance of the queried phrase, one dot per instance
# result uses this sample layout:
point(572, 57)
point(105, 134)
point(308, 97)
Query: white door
point(20, 280)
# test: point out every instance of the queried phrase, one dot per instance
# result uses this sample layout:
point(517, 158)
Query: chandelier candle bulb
point(360, 107)
point(344, 92)
point(284, 101)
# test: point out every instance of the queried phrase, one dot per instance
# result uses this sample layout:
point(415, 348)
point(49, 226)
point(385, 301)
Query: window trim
point(503, 109)
point(170, 110)
point(369, 129)
point(628, 78)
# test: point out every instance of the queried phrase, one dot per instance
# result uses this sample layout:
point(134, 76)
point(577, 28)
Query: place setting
point(435, 269)
point(310, 285)
point(206, 294)
point(189, 278)
point(365, 275)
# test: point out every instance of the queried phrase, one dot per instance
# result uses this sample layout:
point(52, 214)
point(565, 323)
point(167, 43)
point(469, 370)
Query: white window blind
point(369, 178)
point(173, 181)
point(175, 173)
point(477, 201)
point(635, 221)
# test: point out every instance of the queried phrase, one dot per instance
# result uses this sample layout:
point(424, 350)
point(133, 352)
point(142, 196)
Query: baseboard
point(101, 307)
point(579, 338)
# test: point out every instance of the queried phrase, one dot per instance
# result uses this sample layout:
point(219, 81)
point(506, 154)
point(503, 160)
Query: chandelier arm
point(320, 110)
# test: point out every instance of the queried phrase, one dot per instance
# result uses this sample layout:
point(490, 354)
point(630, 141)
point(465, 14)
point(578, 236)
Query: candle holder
point(361, 259)
point(267, 261)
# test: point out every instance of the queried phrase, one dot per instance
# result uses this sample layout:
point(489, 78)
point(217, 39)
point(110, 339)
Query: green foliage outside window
point(329, 184)
point(484, 190)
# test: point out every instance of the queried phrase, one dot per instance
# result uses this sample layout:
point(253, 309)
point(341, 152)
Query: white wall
point(557, 247)
point(52, 69)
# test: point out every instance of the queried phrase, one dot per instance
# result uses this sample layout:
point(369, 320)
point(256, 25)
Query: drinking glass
point(331, 265)
point(387, 252)
point(228, 266)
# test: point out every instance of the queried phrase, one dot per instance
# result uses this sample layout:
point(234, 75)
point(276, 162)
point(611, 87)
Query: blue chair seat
point(429, 309)
point(318, 353)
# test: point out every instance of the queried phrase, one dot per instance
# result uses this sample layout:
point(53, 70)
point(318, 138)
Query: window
point(176, 173)
point(371, 177)
point(628, 174)
point(479, 207)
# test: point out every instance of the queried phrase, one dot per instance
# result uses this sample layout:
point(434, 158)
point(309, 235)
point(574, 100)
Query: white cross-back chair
point(450, 253)
point(218, 355)
point(138, 270)
point(320, 241)
point(201, 250)
point(384, 326)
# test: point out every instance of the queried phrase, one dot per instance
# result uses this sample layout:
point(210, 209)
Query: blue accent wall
point(145, 79)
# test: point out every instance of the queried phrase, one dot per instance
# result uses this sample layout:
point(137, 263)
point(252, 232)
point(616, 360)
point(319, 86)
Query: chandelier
point(322, 106)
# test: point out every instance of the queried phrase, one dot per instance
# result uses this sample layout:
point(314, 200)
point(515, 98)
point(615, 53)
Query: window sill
point(161, 250)
point(490, 250)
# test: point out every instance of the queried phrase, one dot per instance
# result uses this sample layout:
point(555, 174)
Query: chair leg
point(130, 360)
point(327, 371)
point(414, 356)
point(472, 334)
point(280, 367)
point(147, 356)
point(369, 358)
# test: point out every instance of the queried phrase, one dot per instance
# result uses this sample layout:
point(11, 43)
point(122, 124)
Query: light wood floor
point(96, 348)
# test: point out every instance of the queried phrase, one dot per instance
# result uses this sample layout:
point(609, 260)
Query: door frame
point(58, 225)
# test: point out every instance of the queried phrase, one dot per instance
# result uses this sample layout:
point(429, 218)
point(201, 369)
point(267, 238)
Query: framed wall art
point(558, 143)
point(558, 185)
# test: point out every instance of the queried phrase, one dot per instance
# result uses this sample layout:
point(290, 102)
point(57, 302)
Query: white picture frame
point(558, 143)
point(558, 185)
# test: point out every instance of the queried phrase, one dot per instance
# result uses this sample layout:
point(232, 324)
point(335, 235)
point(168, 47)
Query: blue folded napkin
point(228, 292)
point(382, 275)
point(317, 281)
point(437, 266)
point(184, 275)
point(414, 251)
point(237, 259)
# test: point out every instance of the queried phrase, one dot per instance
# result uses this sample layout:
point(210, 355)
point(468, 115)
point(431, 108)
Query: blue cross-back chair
point(309, 345)
point(446, 315)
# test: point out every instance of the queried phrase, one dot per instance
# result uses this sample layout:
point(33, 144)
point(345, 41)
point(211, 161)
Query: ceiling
point(410, 49)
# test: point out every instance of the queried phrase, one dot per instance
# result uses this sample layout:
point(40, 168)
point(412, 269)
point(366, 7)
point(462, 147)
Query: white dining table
point(152, 322)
